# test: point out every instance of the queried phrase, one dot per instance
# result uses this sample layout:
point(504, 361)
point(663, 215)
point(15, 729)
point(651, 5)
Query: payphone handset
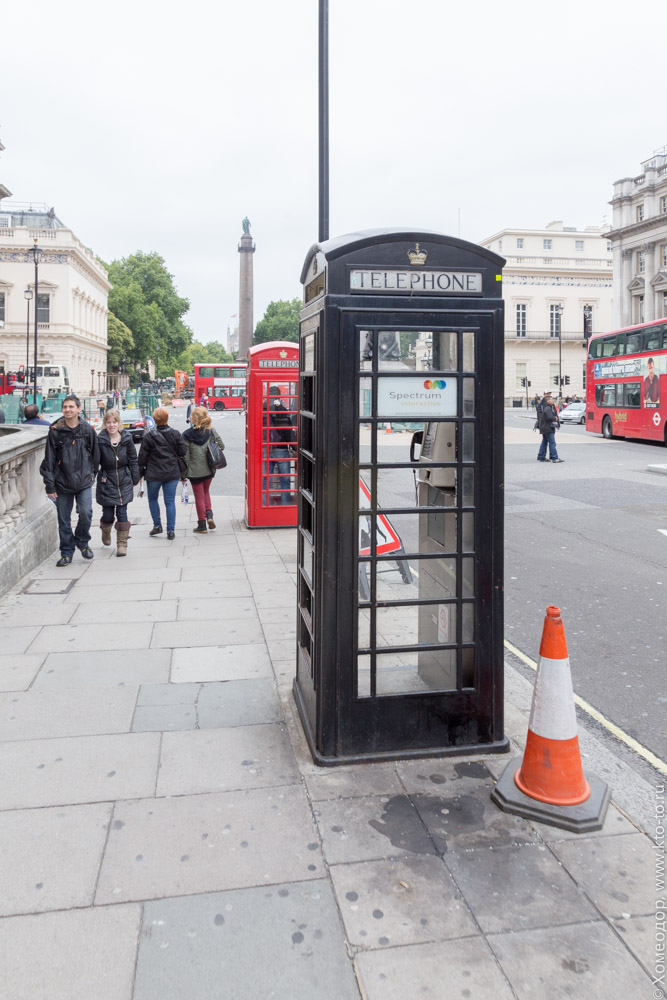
point(437, 444)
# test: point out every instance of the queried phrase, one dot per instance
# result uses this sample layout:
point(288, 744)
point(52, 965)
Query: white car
point(575, 413)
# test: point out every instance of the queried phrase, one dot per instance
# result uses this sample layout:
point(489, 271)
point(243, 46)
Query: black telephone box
point(400, 542)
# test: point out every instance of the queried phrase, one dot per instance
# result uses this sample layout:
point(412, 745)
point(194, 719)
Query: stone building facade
point(73, 293)
point(639, 242)
point(557, 286)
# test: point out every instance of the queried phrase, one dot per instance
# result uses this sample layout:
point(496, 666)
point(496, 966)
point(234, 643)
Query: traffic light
point(523, 382)
point(567, 380)
point(555, 379)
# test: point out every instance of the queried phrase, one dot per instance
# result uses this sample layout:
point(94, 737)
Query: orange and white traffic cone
point(550, 785)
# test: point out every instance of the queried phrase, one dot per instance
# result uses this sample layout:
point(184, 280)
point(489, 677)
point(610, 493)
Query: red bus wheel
point(607, 431)
point(219, 405)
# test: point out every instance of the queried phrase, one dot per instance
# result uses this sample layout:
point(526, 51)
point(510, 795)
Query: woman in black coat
point(118, 475)
point(161, 462)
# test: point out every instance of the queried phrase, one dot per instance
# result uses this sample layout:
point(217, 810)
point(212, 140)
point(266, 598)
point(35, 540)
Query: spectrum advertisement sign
point(415, 398)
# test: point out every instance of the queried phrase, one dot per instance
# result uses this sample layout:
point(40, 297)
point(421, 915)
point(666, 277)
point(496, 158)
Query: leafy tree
point(144, 299)
point(280, 322)
point(197, 354)
point(120, 342)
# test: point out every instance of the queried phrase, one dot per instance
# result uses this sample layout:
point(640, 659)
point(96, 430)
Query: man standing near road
point(31, 416)
point(71, 460)
point(548, 424)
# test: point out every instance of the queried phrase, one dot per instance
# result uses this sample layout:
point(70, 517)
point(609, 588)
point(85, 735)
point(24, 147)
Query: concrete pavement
point(166, 835)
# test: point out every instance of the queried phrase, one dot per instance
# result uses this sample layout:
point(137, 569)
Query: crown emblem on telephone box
point(417, 257)
point(283, 353)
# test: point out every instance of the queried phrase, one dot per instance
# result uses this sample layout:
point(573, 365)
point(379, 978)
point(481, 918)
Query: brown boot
point(106, 532)
point(122, 535)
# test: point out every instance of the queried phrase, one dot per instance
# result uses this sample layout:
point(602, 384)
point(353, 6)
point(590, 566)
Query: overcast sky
point(157, 126)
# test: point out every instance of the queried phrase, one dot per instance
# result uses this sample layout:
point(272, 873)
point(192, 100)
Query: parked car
point(575, 413)
point(134, 421)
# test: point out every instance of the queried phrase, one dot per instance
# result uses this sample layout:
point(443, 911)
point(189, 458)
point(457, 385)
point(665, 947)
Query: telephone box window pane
point(468, 532)
point(307, 388)
point(405, 672)
point(468, 492)
point(425, 625)
point(365, 397)
point(389, 351)
point(394, 440)
point(364, 629)
point(399, 533)
point(363, 677)
point(467, 622)
point(468, 350)
point(366, 350)
point(468, 397)
point(365, 438)
point(307, 557)
point(309, 352)
point(435, 487)
point(468, 576)
point(433, 579)
point(445, 351)
point(468, 667)
point(468, 449)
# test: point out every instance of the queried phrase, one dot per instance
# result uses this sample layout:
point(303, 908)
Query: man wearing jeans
point(548, 423)
point(71, 458)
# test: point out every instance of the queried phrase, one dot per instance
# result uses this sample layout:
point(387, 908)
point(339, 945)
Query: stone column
point(649, 274)
point(624, 295)
point(246, 326)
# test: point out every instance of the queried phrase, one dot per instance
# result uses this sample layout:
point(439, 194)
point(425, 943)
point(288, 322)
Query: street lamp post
point(92, 381)
point(36, 256)
point(28, 297)
point(559, 314)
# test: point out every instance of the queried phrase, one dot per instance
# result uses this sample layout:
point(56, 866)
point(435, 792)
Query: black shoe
point(209, 520)
point(87, 553)
point(157, 530)
point(64, 561)
point(541, 460)
point(201, 528)
point(555, 460)
point(171, 536)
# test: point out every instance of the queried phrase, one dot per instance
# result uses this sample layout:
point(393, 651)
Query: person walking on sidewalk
point(161, 462)
point(116, 479)
point(548, 425)
point(71, 459)
point(199, 469)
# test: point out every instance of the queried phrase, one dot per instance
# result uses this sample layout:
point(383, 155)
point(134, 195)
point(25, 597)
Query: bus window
point(222, 373)
point(633, 342)
point(595, 348)
point(654, 338)
point(632, 394)
point(605, 395)
point(206, 372)
point(608, 347)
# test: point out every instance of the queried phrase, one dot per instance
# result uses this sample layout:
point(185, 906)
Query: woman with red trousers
point(199, 470)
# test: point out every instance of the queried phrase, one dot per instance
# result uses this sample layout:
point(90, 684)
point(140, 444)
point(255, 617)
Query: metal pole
point(323, 228)
point(27, 352)
point(560, 350)
point(34, 381)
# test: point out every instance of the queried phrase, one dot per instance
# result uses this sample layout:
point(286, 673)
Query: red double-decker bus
point(626, 382)
point(223, 386)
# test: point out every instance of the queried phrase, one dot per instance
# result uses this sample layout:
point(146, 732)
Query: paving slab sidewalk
point(165, 833)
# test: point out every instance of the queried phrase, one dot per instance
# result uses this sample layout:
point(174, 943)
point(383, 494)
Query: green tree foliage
point(120, 342)
point(197, 354)
point(280, 322)
point(144, 299)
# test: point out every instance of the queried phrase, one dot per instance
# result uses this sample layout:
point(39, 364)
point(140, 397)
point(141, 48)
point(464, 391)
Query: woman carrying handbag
point(204, 455)
point(118, 475)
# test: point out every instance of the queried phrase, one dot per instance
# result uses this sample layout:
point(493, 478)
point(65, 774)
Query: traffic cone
point(388, 429)
point(550, 785)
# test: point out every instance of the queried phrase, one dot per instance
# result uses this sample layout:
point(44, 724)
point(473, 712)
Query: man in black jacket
point(71, 459)
point(547, 416)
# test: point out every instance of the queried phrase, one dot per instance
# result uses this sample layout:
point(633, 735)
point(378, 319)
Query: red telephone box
point(271, 435)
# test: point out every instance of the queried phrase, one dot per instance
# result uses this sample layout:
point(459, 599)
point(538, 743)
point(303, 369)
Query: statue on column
point(246, 226)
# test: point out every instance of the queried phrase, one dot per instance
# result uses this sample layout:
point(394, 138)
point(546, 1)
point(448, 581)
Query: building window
point(609, 246)
point(664, 303)
point(663, 255)
point(554, 320)
point(640, 213)
point(583, 375)
point(521, 319)
point(588, 321)
point(546, 244)
point(639, 309)
point(2, 307)
point(520, 374)
point(519, 243)
point(43, 308)
point(500, 244)
point(641, 262)
point(553, 375)
point(663, 205)
point(579, 245)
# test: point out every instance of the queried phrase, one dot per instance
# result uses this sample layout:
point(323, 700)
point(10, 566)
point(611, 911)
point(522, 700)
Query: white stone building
point(639, 242)
point(73, 293)
point(557, 287)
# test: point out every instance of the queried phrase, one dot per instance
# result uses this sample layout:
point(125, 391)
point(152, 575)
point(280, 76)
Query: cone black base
point(584, 818)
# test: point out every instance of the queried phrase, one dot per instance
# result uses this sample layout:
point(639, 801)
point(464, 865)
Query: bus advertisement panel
point(626, 382)
point(222, 386)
